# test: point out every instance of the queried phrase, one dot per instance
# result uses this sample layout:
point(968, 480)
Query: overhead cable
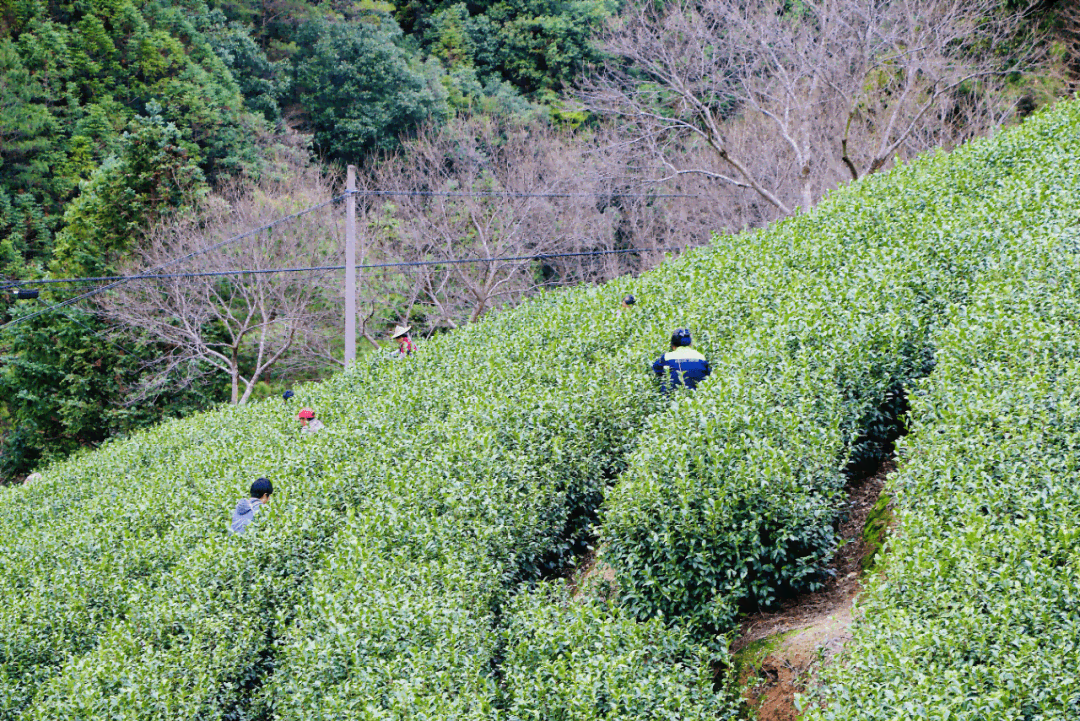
point(293, 216)
point(315, 268)
point(120, 279)
point(511, 194)
point(174, 261)
point(117, 280)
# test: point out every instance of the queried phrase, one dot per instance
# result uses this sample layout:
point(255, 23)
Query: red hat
point(305, 413)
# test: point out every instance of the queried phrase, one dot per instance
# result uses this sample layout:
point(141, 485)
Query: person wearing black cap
point(682, 365)
point(248, 507)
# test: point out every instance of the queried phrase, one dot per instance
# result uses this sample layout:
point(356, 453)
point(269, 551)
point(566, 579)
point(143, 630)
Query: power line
point(120, 279)
point(510, 194)
point(316, 268)
point(117, 280)
point(174, 261)
point(293, 216)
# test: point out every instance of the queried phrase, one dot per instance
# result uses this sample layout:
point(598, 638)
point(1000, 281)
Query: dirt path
point(781, 652)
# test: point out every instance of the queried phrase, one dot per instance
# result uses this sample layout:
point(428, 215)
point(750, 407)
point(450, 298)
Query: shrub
point(383, 580)
point(587, 659)
point(974, 614)
point(730, 496)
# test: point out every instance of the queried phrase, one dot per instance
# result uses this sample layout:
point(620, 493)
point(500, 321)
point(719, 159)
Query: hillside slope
point(400, 570)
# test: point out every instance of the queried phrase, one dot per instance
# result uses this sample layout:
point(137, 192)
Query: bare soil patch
point(592, 574)
point(781, 651)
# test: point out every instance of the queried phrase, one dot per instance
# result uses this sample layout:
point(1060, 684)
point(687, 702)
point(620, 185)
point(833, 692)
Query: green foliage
point(589, 660)
point(51, 379)
point(359, 86)
point(385, 579)
point(730, 497)
point(25, 127)
point(539, 47)
point(152, 175)
point(63, 386)
point(876, 529)
point(54, 373)
point(256, 77)
point(74, 76)
point(974, 615)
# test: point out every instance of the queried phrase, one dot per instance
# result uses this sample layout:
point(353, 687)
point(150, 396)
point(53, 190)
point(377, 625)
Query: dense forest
point(131, 132)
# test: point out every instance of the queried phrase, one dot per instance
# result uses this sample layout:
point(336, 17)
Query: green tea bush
point(383, 580)
point(975, 612)
point(475, 477)
point(586, 659)
point(731, 495)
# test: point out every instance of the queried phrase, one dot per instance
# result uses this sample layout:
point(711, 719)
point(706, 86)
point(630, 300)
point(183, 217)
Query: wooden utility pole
point(350, 268)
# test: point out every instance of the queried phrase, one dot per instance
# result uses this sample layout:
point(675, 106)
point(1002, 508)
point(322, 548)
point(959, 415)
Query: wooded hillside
point(125, 125)
point(411, 563)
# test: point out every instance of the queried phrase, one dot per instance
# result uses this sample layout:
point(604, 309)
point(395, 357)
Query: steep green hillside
point(407, 567)
point(976, 611)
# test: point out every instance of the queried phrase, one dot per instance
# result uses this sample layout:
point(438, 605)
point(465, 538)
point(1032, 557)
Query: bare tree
point(789, 99)
point(1069, 13)
point(485, 190)
point(238, 325)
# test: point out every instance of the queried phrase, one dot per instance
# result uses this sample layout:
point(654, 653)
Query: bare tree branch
point(241, 326)
point(794, 98)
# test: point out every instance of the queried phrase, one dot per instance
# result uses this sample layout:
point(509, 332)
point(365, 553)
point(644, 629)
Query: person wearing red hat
point(308, 422)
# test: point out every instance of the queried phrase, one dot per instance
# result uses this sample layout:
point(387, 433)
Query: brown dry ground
point(810, 629)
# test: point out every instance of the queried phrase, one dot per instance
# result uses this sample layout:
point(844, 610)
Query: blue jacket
point(684, 366)
point(244, 513)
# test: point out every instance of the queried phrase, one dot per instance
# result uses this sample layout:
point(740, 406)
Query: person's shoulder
point(684, 353)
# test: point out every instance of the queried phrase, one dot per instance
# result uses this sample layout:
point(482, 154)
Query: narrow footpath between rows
point(780, 652)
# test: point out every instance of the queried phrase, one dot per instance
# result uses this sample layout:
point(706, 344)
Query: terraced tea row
point(975, 612)
point(399, 571)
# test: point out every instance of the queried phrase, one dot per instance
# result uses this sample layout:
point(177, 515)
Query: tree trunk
point(234, 375)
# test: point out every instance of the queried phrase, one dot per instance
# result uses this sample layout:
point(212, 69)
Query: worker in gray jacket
point(248, 507)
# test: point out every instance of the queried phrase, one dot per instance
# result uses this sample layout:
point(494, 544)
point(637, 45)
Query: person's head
point(679, 338)
point(305, 415)
point(261, 489)
point(287, 395)
point(628, 301)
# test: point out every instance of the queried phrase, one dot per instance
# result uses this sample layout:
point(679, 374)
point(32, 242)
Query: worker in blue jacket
point(682, 365)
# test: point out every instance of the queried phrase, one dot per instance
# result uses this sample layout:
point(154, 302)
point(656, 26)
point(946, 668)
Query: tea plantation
point(409, 565)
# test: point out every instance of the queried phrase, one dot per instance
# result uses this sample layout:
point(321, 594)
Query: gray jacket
point(245, 511)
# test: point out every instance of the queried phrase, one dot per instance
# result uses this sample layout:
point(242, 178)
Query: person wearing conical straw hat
point(404, 344)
